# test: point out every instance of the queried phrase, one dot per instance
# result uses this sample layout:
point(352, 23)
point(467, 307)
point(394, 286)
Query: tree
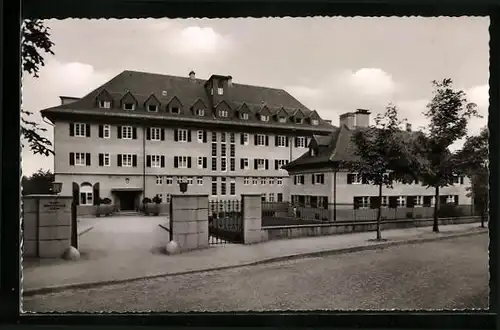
point(383, 155)
point(38, 183)
point(448, 113)
point(473, 159)
point(35, 40)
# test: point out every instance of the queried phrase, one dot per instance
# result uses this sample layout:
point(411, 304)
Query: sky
point(332, 65)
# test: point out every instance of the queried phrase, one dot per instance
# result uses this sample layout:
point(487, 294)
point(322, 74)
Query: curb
point(383, 245)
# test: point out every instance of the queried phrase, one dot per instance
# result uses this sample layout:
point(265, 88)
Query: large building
point(318, 177)
point(139, 133)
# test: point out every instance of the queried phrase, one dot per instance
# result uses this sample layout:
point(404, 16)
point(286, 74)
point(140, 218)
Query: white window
point(222, 137)
point(299, 179)
point(319, 179)
point(356, 178)
point(271, 180)
point(223, 151)
point(127, 160)
point(246, 138)
point(105, 104)
point(261, 164)
point(152, 108)
point(128, 106)
point(261, 139)
point(245, 163)
point(189, 180)
point(246, 180)
point(80, 159)
point(385, 201)
point(200, 136)
point(106, 131)
point(169, 180)
point(456, 179)
point(223, 164)
point(282, 119)
point(200, 112)
point(263, 180)
point(279, 181)
point(418, 200)
point(313, 152)
point(450, 199)
point(200, 162)
point(244, 116)
point(159, 179)
point(223, 113)
point(106, 160)
point(175, 110)
point(433, 201)
point(298, 120)
point(155, 161)
point(300, 142)
point(155, 134)
point(167, 199)
point(281, 140)
point(264, 118)
point(182, 135)
point(255, 181)
point(86, 196)
point(183, 161)
point(270, 197)
point(220, 90)
point(363, 202)
point(401, 201)
point(314, 122)
point(80, 130)
point(232, 138)
point(232, 187)
point(199, 180)
point(281, 163)
point(127, 132)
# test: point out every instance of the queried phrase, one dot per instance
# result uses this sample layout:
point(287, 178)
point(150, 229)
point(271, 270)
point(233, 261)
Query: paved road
point(448, 274)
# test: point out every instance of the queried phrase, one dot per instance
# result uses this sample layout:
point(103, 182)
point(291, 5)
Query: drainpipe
point(335, 195)
point(143, 161)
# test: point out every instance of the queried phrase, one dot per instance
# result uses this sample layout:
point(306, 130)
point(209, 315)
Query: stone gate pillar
point(189, 221)
point(252, 219)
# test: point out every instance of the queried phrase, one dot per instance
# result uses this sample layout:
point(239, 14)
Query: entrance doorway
point(128, 200)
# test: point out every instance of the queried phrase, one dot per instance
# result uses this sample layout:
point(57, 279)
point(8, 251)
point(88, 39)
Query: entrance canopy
point(126, 189)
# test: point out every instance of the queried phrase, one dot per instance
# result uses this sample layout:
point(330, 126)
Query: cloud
point(195, 41)
point(372, 81)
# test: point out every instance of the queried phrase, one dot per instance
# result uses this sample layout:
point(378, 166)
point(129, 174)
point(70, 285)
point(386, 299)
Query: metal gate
point(225, 222)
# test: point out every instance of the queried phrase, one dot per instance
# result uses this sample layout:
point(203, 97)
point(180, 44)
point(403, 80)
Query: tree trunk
point(435, 226)
point(379, 213)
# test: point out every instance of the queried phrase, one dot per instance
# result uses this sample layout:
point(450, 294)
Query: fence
point(285, 213)
point(225, 222)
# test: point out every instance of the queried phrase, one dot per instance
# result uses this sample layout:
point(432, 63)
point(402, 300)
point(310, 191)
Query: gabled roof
point(175, 98)
point(128, 94)
point(244, 108)
point(152, 97)
point(199, 101)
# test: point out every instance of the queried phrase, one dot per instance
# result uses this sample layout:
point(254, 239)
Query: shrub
point(105, 201)
point(409, 215)
point(146, 200)
point(157, 200)
point(449, 211)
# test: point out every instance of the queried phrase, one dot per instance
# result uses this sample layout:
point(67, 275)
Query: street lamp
point(56, 187)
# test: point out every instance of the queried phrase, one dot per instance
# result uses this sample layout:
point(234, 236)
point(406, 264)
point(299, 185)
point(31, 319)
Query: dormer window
point(298, 120)
point(175, 110)
point(105, 104)
point(244, 116)
point(315, 122)
point(128, 106)
point(223, 113)
point(220, 88)
point(211, 91)
point(282, 119)
point(200, 112)
point(314, 152)
point(152, 108)
point(264, 118)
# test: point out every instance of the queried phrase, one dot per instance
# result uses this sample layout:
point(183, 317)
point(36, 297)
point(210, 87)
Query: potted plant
point(157, 201)
point(108, 208)
point(145, 202)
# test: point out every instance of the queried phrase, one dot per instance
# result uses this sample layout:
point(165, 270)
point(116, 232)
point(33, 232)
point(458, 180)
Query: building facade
point(137, 135)
point(318, 179)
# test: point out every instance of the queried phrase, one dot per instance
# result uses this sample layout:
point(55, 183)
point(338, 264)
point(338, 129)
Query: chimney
point(362, 118)
point(192, 75)
point(348, 119)
point(229, 81)
point(408, 127)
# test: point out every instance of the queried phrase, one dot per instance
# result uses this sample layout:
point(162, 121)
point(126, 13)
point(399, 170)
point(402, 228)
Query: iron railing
point(286, 213)
point(225, 222)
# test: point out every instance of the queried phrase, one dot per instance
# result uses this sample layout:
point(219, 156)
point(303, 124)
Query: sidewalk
point(123, 267)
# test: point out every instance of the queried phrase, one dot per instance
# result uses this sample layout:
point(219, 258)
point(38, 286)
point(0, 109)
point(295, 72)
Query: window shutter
point(267, 140)
point(87, 159)
point(276, 140)
point(350, 178)
point(204, 162)
point(461, 180)
point(71, 158)
point(119, 160)
point(410, 201)
point(176, 161)
point(162, 159)
point(87, 130)
point(295, 142)
point(134, 160)
point(134, 133)
point(312, 178)
point(286, 141)
point(97, 199)
point(148, 161)
point(267, 164)
point(255, 139)
point(393, 201)
point(455, 199)
point(242, 141)
point(204, 136)
point(276, 164)
point(101, 131)
point(189, 135)
point(148, 133)
point(71, 129)
point(176, 134)
point(295, 179)
point(162, 134)
point(189, 162)
point(242, 163)
point(255, 163)
point(374, 202)
point(119, 132)
point(302, 178)
point(101, 159)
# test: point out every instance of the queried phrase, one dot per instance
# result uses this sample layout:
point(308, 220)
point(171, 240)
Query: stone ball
point(71, 254)
point(172, 247)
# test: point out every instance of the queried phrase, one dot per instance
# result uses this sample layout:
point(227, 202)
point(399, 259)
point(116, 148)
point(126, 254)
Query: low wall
point(91, 210)
point(151, 209)
point(281, 232)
